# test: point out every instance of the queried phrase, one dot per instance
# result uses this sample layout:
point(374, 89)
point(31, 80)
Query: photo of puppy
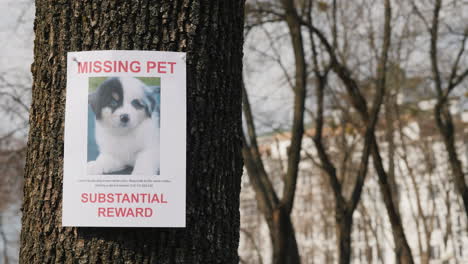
point(123, 126)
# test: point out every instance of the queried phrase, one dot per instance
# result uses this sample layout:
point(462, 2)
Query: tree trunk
point(284, 244)
point(402, 249)
point(278, 219)
point(441, 111)
point(344, 224)
point(448, 135)
point(4, 239)
point(211, 32)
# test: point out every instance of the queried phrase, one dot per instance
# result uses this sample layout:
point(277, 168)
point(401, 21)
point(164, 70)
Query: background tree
point(445, 82)
point(211, 34)
point(14, 101)
point(277, 209)
point(369, 118)
point(15, 86)
point(302, 12)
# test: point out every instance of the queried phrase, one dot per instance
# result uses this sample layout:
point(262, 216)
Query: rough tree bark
point(211, 32)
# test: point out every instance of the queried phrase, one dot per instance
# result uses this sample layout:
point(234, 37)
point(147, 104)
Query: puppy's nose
point(124, 118)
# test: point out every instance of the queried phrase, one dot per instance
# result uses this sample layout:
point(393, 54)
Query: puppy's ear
point(151, 100)
point(150, 104)
point(93, 102)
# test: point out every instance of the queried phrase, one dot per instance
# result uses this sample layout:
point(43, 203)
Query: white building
point(433, 215)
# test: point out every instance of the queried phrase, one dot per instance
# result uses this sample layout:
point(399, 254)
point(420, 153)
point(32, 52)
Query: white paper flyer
point(125, 139)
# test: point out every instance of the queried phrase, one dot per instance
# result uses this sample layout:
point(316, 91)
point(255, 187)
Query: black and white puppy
point(126, 133)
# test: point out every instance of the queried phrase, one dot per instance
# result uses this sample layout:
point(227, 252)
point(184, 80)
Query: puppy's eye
point(113, 103)
point(137, 104)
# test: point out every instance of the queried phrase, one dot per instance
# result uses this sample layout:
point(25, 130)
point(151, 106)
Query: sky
point(16, 54)
point(16, 34)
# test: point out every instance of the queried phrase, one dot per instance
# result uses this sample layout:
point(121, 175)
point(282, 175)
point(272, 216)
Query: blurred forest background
point(16, 45)
point(355, 130)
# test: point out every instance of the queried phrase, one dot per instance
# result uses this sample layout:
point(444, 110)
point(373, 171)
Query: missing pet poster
point(125, 139)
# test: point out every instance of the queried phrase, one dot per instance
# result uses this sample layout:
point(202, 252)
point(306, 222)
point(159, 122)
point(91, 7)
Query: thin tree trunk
point(441, 111)
point(3, 236)
point(211, 32)
point(300, 84)
point(283, 239)
point(344, 222)
point(250, 237)
point(275, 210)
point(370, 118)
point(448, 135)
point(389, 106)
